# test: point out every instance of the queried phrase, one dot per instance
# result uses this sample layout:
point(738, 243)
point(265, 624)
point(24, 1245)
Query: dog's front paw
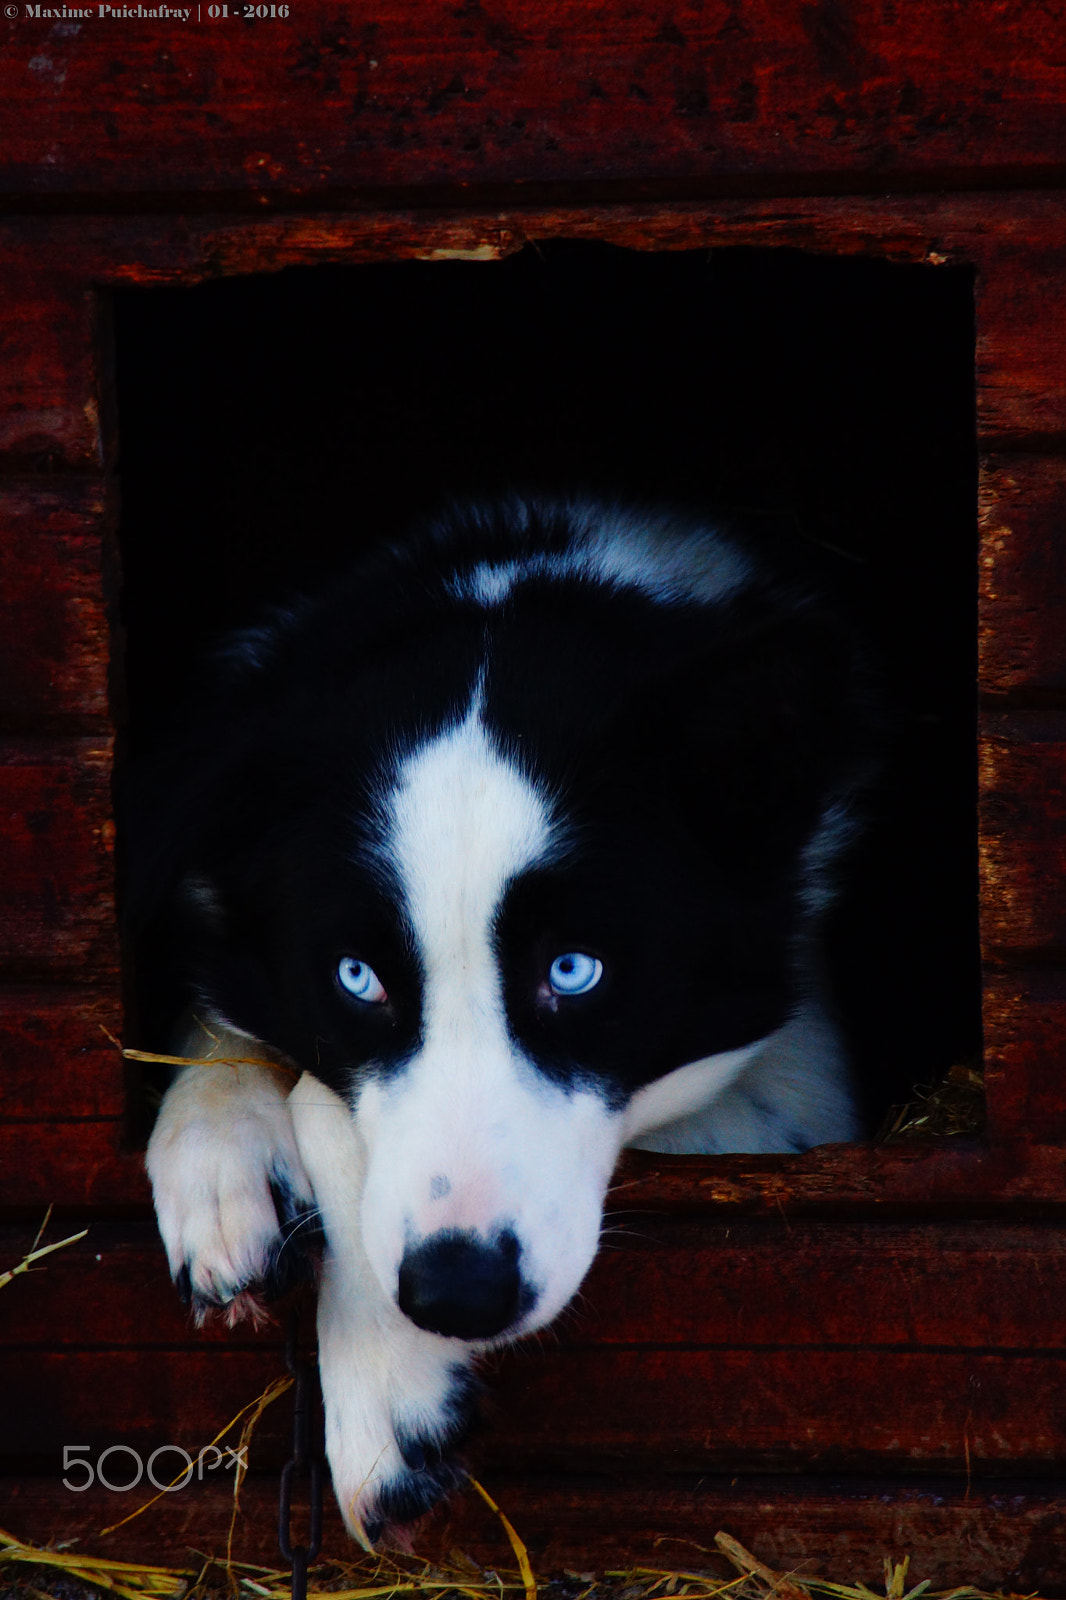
point(235, 1207)
point(398, 1399)
point(399, 1403)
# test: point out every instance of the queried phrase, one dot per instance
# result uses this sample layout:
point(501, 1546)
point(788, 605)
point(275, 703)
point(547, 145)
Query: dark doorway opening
point(272, 426)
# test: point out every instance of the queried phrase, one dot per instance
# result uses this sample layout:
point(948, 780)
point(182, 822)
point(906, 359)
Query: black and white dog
point(509, 852)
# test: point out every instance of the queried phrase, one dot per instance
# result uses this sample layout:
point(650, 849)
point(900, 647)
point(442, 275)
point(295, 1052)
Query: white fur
point(471, 1115)
point(222, 1134)
point(792, 1092)
point(380, 1373)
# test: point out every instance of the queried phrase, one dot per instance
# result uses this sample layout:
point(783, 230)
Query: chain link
point(304, 1463)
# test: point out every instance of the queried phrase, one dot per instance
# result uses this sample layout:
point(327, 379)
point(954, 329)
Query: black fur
point(694, 747)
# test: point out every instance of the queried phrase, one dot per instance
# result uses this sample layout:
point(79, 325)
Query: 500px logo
point(97, 1474)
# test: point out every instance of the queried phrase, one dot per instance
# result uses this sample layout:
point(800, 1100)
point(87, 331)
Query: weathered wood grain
point(657, 1282)
point(861, 1181)
point(1010, 1535)
point(951, 1530)
point(1022, 822)
point(1021, 336)
point(57, 911)
point(55, 1057)
point(429, 97)
point(69, 1164)
point(148, 250)
point(1022, 626)
point(1025, 1053)
point(49, 377)
point(792, 1408)
point(157, 249)
point(796, 1409)
point(54, 626)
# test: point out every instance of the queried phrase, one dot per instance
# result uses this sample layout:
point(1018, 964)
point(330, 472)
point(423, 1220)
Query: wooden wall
point(835, 1355)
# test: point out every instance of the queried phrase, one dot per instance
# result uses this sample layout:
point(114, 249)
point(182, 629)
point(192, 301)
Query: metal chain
point(304, 1463)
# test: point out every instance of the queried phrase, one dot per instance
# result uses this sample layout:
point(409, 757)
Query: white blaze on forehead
point(462, 822)
point(516, 1151)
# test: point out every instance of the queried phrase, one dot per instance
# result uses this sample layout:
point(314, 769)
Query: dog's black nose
point(457, 1284)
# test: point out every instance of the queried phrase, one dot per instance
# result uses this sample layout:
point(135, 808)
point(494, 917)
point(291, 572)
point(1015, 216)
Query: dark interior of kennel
point(272, 426)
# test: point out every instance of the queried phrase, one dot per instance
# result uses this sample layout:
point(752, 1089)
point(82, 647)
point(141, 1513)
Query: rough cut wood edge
point(1025, 1052)
point(49, 365)
point(152, 251)
point(1021, 339)
point(1008, 1535)
point(1021, 629)
point(51, 326)
point(920, 1177)
point(1022, 836)
point(428, 95)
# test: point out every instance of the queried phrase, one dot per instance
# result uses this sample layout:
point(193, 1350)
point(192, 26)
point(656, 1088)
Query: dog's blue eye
point(359, 979)
point(575, 973)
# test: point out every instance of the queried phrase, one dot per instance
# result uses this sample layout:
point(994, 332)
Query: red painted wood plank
point(656, 1282)
point(57, 1060)
point(139, 1399)
point(195, 1518)
point(123, 250)
point(1022, 820)
point(1011, 1536)
point(843, 1529)
point(722, 1410)
point(56, 874)
point(1021, 335)
point(54, 633)
point(72, 1165)
point(118, 1277)
point(806, 1283)
point(1022, 634)
point(758, 1410)
point(49, 401)
point(923, 1176)
point(1025, 1052)
point(426, 96)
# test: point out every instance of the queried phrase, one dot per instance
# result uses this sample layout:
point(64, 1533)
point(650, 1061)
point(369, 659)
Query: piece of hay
point(35, 1254)
point(395, 1577)
point(941, 1110)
